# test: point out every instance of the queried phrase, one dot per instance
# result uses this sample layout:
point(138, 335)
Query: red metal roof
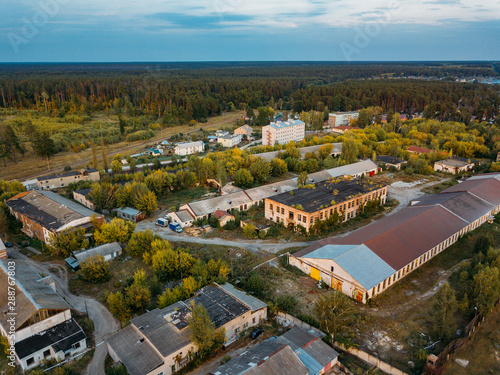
point(420, 150)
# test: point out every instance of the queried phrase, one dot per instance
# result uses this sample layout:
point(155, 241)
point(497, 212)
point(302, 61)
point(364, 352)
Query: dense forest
point(180, 92)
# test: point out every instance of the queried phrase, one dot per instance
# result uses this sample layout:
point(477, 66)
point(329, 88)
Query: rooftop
point(389, 159)
point(106, 249)
point(326, 193)
point(61, 337)
point(337, 149)
point(285, 124)
point(190, 144)
point(33, 292)
point(419, 150)
point(184, 215)
point(48, 209)
point(456, 162)
point(66, 174)
point(254, 303)
point(129, 211)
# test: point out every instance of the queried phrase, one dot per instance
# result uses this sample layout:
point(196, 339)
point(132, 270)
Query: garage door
point(315, 273)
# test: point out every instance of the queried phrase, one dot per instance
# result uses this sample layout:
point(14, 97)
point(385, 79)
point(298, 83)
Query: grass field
point(30, 166)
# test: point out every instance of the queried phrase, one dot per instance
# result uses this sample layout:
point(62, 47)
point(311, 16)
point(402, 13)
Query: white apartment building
point(341, 118)
point(283, 132)
point(229, 140)
point(189, 148)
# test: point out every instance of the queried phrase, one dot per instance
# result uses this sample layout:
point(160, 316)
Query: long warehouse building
point(368, 261)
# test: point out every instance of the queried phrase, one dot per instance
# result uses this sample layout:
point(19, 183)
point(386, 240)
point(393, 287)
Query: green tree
point(350, 150)
point(147, 203)
point(138, 294)
point(118, 306)
point(118, 230)
point(67, 242)
point(302, 180)
point(334, 312)
point(260, 170)
point(443, 311)
point(140, 242)
point(201, 328)
point(243, 178)
point(43, 146)
point(278, 167)
point(486, 289)
point(95, 269)
point(116, 166)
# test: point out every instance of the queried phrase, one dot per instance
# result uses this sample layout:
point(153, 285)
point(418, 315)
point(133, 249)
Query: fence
point(371, 360)
point(286, 320)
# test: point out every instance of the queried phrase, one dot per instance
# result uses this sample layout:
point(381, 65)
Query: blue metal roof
point(358, 260)
point(312, 365)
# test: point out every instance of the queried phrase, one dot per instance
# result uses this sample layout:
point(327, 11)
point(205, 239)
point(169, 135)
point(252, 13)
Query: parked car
point(8, 244)
point(256, 333)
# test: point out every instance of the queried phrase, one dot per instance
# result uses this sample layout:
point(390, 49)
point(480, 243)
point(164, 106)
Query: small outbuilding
point(390, 161)
point(223, 217)
point(454, 165)
point(183, 217)
point(129, 213)
point(109, 251)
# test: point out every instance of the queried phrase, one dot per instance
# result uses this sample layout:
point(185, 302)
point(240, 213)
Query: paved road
point(104, 323)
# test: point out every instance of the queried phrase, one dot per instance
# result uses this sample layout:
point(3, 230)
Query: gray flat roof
point(252, 302)
point(106, 249)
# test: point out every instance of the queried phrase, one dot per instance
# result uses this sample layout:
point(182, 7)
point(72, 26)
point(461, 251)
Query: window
point(299, 217)
point(253, 320)
point(76, 346)
point(237, 330)
point(30, 361)
point(46, 353)
point(277, 209)
point(331, 268)
point(173, 368)
point(290, 215)
point(321, 216)
point(304, 219)
point(282, 211)
point(271, 206)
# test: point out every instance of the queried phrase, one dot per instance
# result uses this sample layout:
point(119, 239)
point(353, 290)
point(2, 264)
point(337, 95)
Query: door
point(336, 284)
point(359, 296)
point(315, 273)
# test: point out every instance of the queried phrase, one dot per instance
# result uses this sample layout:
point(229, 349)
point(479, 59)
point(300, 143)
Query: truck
point(162, 222)
point(175, 227)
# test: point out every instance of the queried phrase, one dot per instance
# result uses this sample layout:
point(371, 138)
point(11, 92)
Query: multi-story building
point(158, 342)
point(229, 140)
point(39, 324)
point(45, 213)
point(82, 196)
point(341, 118)
point(57, 181)
point(283, 132)
point(189, 148)
point(307, 205)
point(245, 130)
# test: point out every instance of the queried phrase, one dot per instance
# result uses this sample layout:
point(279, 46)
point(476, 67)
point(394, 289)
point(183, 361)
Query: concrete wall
point(43, 325)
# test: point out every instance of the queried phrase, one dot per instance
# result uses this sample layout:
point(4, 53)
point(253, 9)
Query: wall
point(385, 367)
point(43, 325)
point(285, 320)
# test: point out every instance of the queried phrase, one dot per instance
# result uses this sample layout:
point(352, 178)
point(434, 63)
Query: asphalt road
point(104, 322)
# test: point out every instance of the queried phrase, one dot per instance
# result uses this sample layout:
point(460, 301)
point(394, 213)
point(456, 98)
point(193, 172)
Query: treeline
point(177, 96)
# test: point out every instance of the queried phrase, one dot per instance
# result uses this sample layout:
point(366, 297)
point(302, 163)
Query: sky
point(248, 30)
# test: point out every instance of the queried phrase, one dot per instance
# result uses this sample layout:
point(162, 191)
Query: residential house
point(418, 150)
point(45, 213)
point(305, 206)
point(189, 148)
point(223, 217)
point(245, 130)
point(57, 181)
point(342, 129)
point(297, 351)
point(3, 250)
point(454, 165)
point(42, 328)
point(229, 140)
point(221, 133)
point(341, 118)
point(158, 342)
point(242, 200)
point(129, 213)
point(183, 217)
point(82, 196)
point(109, 251)
point(390, 161)
point(366, 262)
point(283, 132)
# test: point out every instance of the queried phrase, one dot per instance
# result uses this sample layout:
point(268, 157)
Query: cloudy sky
point(244, 30)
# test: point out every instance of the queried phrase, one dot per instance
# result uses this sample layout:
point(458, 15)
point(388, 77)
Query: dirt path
point(104, 323)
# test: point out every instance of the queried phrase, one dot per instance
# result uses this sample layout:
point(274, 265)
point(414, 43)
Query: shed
point(129, 213)
point(73, 263)
point(109, 251)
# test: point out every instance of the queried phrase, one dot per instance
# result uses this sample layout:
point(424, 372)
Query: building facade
point(82, 196)
point(245, 130)
point(189, 148)
point(454, 165)
point(283, 132)
point(341, 118)
point(57, 181)
point(368, 261)
point(229, 140)
point(342, 199)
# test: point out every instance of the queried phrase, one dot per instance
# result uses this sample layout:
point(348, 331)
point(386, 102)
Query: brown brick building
point(305, 206)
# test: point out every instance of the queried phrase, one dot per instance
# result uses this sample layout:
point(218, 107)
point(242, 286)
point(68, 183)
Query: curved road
point(104, 323)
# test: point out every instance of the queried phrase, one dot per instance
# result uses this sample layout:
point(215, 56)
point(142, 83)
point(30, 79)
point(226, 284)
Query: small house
point(129, 213)
point(109, 251)
point(82, 196)
point(223, 217)
point(245, 130)
point(260, 227)
point(390, 161)
point(183, 217)
point(454, 165)
point(418, 150)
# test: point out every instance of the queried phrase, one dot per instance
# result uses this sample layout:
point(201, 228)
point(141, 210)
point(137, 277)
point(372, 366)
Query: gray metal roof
point(223, 203)
point(84, 211)
point(189, 144)
point(252, 302)
point(337, 149)
point(32, 292)
point(284, 362)
point(138, 356)
point(363, 166)
point(129, 211)
point(184, 215)
point(266, 191)
point(321, 352)
point(106, 249)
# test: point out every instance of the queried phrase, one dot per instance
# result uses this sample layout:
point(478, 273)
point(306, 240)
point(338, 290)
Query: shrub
point(287, 303)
